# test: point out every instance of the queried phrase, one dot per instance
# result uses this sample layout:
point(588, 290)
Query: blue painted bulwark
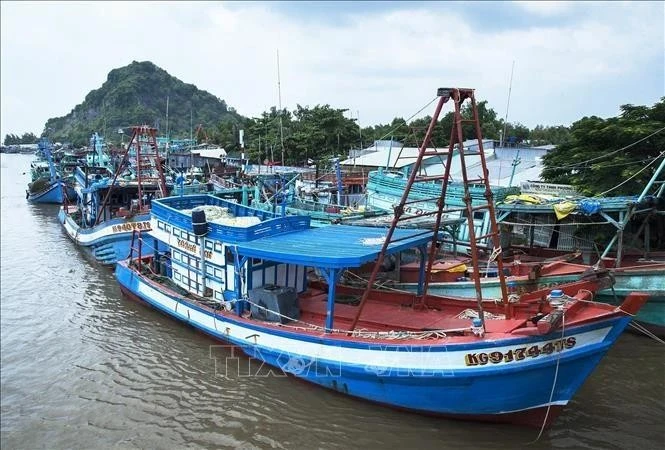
point(288, 238)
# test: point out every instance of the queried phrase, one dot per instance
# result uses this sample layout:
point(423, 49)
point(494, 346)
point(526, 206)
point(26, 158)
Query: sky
point(379, 60)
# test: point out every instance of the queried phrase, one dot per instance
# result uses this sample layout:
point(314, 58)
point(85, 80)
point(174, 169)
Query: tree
point(320, 133)
point(11, 139)
point(555, 135)
point(610, 155)
point(14, 139)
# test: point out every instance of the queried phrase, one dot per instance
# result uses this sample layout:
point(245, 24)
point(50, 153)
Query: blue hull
point(53, 194)
point(103, 241)
point(517, 393)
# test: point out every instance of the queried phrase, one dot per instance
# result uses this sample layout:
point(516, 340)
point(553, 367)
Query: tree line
point(613, 156)
point(322, 132)
point(593, 154)
point(15, 139)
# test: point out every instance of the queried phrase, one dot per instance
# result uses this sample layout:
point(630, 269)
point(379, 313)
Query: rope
point(473, 314)
point(556, 374)
point(496, 251)
point(407, 120)
point(634, 175)
point(376, 285)
point(630, 163)
point(359, 333)
point(590, 293)
point(646, 332)
point(528, 224)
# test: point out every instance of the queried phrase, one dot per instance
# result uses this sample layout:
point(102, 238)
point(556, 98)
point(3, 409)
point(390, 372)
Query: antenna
point(167, 120)
point(104, 114)
point(505, 121)
point(279, 92)
point(360, 129)
point(191, 138)
point(167, 131)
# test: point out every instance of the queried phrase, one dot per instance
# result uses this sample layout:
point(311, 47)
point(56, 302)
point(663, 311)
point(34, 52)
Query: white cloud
point(545, 8)
point(382, 64)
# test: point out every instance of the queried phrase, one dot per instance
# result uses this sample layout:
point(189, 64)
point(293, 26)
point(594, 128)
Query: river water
point(83, 367)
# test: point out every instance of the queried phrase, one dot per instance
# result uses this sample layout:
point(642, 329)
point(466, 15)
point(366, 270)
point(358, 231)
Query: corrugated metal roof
point(531, 153)
point(215, 153)
point(336, 246)
point(383, 156)
point(499, 165)
point(377, 155)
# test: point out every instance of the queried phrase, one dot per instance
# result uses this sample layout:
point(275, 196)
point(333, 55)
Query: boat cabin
point(235, 253)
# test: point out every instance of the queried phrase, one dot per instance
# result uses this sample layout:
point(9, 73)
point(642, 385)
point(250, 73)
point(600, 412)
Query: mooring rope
point(556, 374)
point(646, 332)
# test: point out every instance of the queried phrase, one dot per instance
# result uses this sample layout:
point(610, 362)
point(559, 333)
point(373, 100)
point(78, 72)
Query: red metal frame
point(458, 96)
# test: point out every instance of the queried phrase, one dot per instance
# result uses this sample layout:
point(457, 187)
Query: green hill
point(136, 95)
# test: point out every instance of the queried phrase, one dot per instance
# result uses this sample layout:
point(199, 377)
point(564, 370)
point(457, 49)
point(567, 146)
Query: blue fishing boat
point(111, 204)
point(242, 276)
point(255, 295)
point(47, 185)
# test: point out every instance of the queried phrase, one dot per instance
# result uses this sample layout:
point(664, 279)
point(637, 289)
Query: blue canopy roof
point(333, 247)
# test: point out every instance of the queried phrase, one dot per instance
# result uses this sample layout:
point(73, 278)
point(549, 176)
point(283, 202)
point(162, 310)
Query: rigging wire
point(582, 163)
point(629, 163)
point(634, 175)
point(406, 121)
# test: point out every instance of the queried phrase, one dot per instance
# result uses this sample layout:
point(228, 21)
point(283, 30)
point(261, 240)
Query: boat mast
point(46, 151)
point(104, 114)
point(167, 133)
point(360, 129)
point(148, 166)
point(505, 120)
point(279, 92)
point(515, 163)
point(191, 138)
